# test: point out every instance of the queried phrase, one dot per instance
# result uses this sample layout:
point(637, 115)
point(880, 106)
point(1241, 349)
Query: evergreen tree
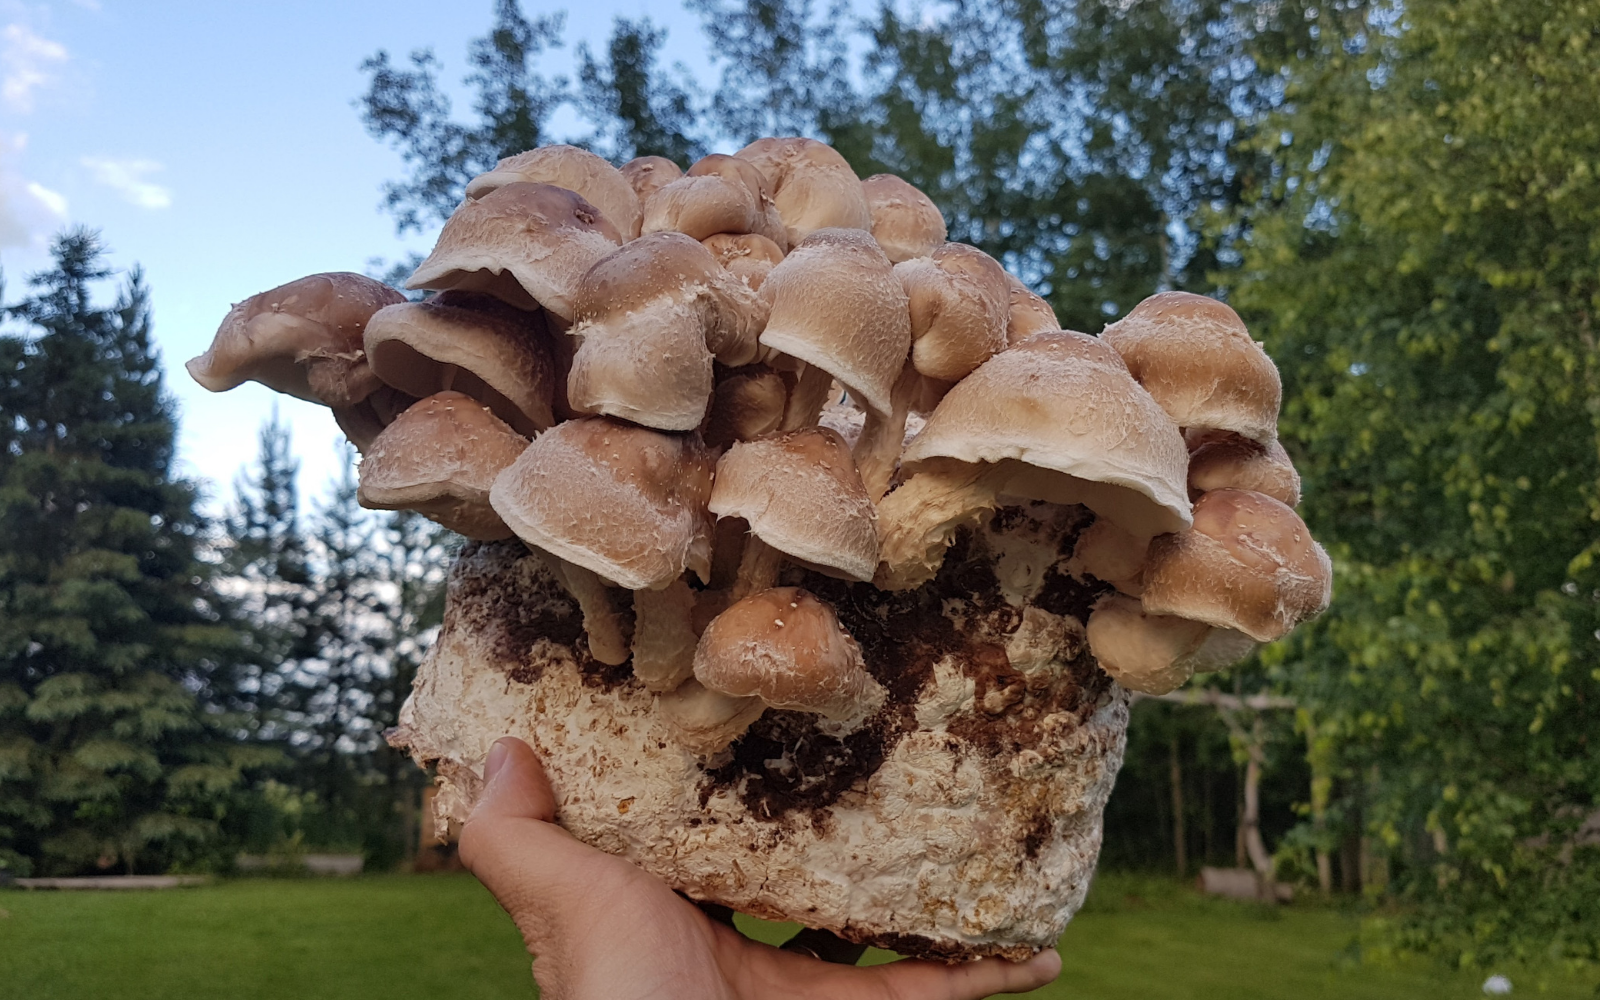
point(112, 641)
point(270, 577)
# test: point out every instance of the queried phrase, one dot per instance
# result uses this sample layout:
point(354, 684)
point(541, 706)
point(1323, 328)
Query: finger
point(515, 785)
point(971, 981)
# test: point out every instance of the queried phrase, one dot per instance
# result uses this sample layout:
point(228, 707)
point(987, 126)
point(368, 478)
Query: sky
point(217, 145)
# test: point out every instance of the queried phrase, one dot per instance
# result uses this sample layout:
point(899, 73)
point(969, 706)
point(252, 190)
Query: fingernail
point(497, 759)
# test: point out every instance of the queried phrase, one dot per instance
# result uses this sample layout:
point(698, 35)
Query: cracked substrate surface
point(961, 820)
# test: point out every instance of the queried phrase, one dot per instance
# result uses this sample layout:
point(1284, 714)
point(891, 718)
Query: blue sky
point(217, 145)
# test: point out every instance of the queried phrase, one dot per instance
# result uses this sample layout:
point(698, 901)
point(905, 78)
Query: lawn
point(434, 936)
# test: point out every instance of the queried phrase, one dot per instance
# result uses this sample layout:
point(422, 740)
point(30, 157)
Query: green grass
point(437, 936)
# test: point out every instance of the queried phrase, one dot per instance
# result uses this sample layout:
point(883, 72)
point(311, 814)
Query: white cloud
point(53, 200)
point(28, 209)
point(127, 178)
point(26, 59)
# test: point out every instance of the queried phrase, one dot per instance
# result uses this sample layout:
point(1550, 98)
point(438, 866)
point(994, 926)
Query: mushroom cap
point(302, 338)
point(525, 243)
point(472, 343)
point(1107, 552)
point(719, 194)
point(1062, 407)
point(812, 185)
point(362, 422)
point(788, 649)
point(836, 304)
point(649, 174)
point(1194, 355)
point(650, 316)
point(960, 307)
point(578, 170)
point(1248, 564)
point(1141, 651)
point(1027, 314)
point(626, 502)
point(440, 458)
point(801, 494)
point(905, 222)
point(747, 403)
point(750, 257)
point(1221, 460)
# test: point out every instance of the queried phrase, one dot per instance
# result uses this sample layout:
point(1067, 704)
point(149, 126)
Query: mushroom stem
point(806, 400)
point(601, 622)
point(664, 636)
point(758, 568)
point(919, 520)
point(877, 451)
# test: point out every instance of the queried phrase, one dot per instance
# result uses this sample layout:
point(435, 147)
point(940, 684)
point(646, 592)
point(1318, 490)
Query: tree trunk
point(1259, 858)
point(1179, 841)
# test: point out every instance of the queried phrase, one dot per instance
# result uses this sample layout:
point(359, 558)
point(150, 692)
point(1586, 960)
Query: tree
point(407, 108)
point(1420, 259)
point(342, 608)
point(114, 648)
point(635, 111)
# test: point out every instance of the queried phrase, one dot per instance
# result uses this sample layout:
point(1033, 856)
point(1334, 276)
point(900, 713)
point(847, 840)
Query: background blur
point(202, 636)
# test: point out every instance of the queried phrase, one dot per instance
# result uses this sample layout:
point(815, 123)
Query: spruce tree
point(114, 753)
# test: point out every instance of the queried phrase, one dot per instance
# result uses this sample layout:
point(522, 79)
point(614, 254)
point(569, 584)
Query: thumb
point(514, 785)
point(511, 843)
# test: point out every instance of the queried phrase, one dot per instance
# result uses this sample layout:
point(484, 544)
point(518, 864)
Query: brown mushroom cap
point(750, 257)
point(440, 458)
point(788, 649)
point(1194, 355)
point(362, 422)
point(1221, 460)
point(1027, 314)
point(625, 502)
point(650, 316)
point(905, 222)
point(719, 194)
point(801, 494)
point(525, 243)
point(837, 305)
point(1109, 553)
point(302, 338)
point(649, 174)
point(960, 307)
point(1080, 430)
point(1143, 652)
point(472, 343)
point(813, 185)
point(596, 181)
point(1248, 564)
point(747, 403)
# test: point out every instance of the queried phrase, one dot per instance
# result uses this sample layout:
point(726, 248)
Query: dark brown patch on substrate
point(503, 593)
point(902, 634)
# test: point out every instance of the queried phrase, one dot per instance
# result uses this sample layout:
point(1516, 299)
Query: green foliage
point(1421, 262)
point(343, 606)
point(113, 646)
point(514, 102)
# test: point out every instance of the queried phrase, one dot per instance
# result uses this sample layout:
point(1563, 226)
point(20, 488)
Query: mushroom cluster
point(676, 386)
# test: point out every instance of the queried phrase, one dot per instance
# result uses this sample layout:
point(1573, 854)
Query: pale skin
point(600, 927)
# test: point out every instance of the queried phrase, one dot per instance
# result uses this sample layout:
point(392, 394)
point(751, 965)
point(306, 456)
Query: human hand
point(600, 927)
